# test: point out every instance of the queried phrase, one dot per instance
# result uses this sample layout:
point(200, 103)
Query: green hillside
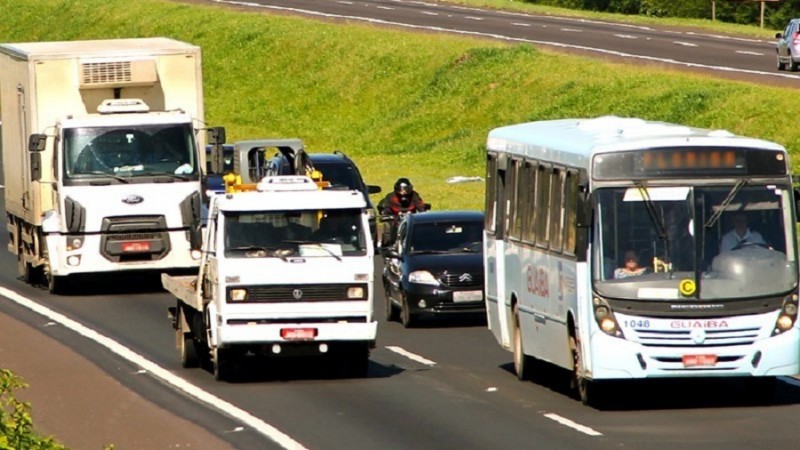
point(401, 104)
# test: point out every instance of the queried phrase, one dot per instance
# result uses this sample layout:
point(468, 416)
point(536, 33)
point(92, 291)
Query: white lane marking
point(427, 13)
point(520, 24)
point(157, 371)
point(411, 356)
point(574, 425)
point(473, 18)
point(388, 8)
point(573, 30)
point(529, 41)
point(742, 52)
point(626, 36)
point(344, 3)
point(685, 44)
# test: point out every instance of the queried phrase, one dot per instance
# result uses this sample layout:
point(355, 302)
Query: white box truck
point(287, 270)
point(103, 156)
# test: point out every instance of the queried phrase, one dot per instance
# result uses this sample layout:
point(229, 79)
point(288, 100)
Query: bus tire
point(585, 389)
point(522, 362)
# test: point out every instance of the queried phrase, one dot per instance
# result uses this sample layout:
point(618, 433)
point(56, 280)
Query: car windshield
point(447, 237)
point(124, 154)
point(339, 175)
point(706, 243)
point(287, 234)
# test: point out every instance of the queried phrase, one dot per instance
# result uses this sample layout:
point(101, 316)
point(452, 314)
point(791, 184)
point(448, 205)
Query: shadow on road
point(261, 370)
point(661, 394)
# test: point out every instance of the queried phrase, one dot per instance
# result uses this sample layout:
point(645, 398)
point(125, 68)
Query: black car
point(435, 266)
point(338, 169)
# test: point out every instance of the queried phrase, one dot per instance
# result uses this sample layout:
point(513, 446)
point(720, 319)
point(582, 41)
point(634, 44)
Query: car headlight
point(422, 277)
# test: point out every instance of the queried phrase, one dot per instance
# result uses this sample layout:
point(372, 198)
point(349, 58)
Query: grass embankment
point(401, 104)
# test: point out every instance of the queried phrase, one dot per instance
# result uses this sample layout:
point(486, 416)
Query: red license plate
point(136, 246)
point(298, 333)
point(699, 360)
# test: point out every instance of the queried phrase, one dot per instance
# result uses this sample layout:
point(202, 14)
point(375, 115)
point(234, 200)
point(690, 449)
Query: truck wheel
point(523, 363)
point(189, 355)
point(55, 284)
point(222, 365)
point(25, 269)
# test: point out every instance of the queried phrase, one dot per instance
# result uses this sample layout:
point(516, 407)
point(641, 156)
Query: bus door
point(494, 228)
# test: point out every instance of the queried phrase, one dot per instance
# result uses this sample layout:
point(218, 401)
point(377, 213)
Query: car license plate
point(699, 360)
point(136, 246)
point(298, 333)
point(467, 296)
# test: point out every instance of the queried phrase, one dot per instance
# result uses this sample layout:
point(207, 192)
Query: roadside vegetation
point(400, 103)
point(16, 425)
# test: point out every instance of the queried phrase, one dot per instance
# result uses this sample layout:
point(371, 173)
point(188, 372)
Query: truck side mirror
point(37, 142)
point(216, 135)
point(36, 166)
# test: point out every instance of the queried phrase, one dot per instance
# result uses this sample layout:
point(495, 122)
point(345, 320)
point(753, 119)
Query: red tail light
point(796, 38)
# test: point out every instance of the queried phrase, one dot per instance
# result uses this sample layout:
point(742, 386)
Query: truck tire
point(190, 358)
point(25, 269)
point(222, 365)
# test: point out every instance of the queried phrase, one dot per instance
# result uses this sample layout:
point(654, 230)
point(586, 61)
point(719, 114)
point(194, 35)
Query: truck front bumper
point(287, 333)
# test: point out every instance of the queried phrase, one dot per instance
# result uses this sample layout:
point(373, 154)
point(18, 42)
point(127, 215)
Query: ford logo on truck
point(133, 199)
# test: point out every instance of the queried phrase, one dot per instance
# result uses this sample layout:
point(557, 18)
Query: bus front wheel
point(582, 387)
point(522, 362)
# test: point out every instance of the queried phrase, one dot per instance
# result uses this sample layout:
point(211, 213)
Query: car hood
point(451, 262)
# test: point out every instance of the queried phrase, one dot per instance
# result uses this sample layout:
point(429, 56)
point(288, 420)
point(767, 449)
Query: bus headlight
point(355, 292)
point(605, 318)
point(787, 316)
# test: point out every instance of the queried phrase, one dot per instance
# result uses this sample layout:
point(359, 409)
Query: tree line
point(746, 12)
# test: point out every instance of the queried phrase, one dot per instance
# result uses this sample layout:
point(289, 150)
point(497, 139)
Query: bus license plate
point(136, 246)
point(699, 360)
point(467, 296)
point(298, 333)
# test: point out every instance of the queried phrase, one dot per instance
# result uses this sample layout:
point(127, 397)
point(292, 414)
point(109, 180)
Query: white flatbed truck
point(287, 269)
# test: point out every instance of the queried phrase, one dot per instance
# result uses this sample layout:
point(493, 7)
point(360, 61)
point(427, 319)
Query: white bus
point(566, 200)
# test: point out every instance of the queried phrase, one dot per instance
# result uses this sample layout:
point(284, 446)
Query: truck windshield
point(303, 233)
point(134, 152)
point(721, 242)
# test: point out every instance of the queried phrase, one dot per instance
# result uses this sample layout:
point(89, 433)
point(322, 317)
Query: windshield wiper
point(724, 205)
point(318, 244)
point(661, 229)
point(273, 251)
point(108, 175)
point(429, 252)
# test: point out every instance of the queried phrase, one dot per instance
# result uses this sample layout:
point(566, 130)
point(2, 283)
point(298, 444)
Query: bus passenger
point(631, 267)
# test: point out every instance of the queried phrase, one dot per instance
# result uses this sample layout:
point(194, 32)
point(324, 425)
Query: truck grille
point(300, 293)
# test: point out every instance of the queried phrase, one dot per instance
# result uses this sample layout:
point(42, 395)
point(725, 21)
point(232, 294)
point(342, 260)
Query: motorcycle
point(390, 224)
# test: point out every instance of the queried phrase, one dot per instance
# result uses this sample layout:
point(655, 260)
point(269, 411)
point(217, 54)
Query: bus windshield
point(716, 242)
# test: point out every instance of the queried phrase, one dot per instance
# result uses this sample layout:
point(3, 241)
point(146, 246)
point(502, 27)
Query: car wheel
point(792, 63)
point(391, 311)
point(406, 318)
point(781, 65)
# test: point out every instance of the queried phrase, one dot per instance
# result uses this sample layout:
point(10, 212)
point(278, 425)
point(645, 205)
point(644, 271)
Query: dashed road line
point(574, 425)
point(411, 356)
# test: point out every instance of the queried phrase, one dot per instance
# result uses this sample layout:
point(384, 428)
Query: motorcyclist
point(401, 201)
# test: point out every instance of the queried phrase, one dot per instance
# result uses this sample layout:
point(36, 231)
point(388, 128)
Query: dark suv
point(337, 169)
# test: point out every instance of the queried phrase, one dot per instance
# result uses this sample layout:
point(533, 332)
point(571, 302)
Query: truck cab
point(286, 270)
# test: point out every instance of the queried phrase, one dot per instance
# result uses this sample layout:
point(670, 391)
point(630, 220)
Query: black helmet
point(403, 187)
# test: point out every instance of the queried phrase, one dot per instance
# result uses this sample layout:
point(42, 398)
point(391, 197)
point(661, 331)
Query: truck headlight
point(238, 295)
point(355, 292)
